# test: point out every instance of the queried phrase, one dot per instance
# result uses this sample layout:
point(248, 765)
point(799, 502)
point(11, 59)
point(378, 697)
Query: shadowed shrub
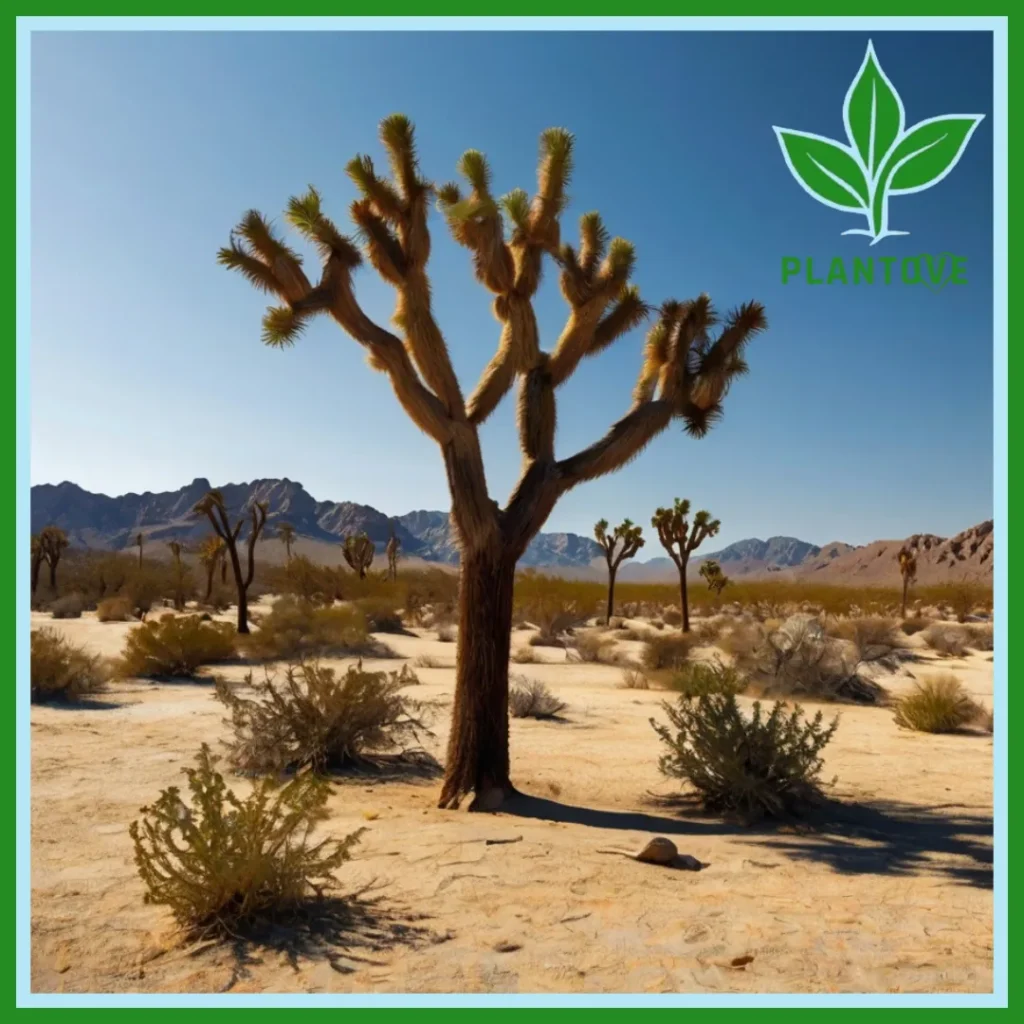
point(530, 698)
point(114, 609)
point(223, 865)
point(523, 656)
point(698, 679)
point(319, 720)
point(61, 670)
point(69, 607)
point(592, 648)
point(175, 646)
point(381, 615)
point(914, 625)
point(294, 629)
point(980, 638)
point(938, 704)
point(874, 638)
point(667, 651)
point(768, 764)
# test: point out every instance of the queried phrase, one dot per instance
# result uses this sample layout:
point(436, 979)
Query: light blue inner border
point(998, 26)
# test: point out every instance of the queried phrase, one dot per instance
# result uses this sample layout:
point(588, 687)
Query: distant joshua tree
point(680, 540)
point(685, 375)
point(359, 550)
point(47, 547)
point(212, 506)
point(212, 553)
point(286, 535)
point(908, 570)
point(712, 573)
point(139, 539)
point(392, 549)
point(179, 575)
point(632, 541)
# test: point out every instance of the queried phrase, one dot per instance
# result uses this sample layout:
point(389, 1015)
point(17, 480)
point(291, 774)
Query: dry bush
point(381, 613)
point(707, 631)
point(70, 607)
point(530, 698)
point(523, 656)
point(938, 704)
point(698, 679)
point(175, 646)
point(873, 638)
point(634, 679)
point(914, 625)
point(742, 640)
point(658, 624)
point(667, 651)
point(61, 670)
point(592, 648)
point(318, 720)
point(223, 865)
point(980, 638)
point(762, 765)
point(295, 629)
point(428, 661)
point(672, 616)
point(446, 634)
point(637, 635)
point(114, 609)
point(947, 639)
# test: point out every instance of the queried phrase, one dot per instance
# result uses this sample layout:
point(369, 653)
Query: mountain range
point(111, 523)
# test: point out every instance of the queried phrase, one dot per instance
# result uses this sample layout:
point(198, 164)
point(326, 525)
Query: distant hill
point(111, 523)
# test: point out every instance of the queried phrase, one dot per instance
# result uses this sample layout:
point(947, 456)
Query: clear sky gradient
point(867, 412)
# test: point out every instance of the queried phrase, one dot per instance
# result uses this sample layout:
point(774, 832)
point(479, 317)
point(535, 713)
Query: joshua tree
point(632, 542)
point(212, 506)
point(393, 546)
point(139, 541)
point(680, 540)
point(179, 575)
point(211, 554)
point(908, 570)
point(712, 573)
point(286, 535)
point(685, 375)
point(48, 547)
point(358, 550)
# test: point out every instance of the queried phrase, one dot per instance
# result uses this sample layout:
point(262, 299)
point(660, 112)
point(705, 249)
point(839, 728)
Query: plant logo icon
point(884, 158)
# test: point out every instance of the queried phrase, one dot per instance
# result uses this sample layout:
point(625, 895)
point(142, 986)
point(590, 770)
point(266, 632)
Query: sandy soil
point(889, 893)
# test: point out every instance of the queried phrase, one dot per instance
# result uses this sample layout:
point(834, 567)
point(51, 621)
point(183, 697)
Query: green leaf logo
point(884, 158)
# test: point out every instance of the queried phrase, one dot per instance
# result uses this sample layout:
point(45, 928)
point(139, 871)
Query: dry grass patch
point(530, 698)
point(61, 670)
point(634, 679)
point(939, 704)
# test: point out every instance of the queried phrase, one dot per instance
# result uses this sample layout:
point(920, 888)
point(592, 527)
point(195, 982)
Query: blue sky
point(867, 412)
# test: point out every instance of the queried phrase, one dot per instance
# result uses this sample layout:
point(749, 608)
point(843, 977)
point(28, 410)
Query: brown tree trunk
point(243, 603)
point(611, 596)
point(478, 760)
point(209, 583)
point(684, 598)
point(37, 564)
point(906, 582)
point(53, 576)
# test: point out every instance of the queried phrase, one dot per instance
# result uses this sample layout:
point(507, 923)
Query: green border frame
point(398, 10)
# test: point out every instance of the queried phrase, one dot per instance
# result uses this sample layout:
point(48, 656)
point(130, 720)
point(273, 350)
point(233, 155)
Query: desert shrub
point(175, 646)
point(768, 764)
point(697, 679)
point(446, 634)
point(658, 624)
point(667, 651)
point(221, 864)
point(428, 661)
point(592, 648)
point(672, 616)
point(980, 638)
point(947, 639)
point(634, 679)
point(707, 630)
point(69, 607)
point(530, 698)
point(114, 609)
point(61, 670)
point(742, 640)
point(294, 629)
point(938, 704)
point(523, 656)
point(914, 625)
point(318, 719)
point(381, 615)
point(874, 638)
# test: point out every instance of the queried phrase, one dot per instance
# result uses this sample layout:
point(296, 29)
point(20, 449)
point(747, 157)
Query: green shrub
point(114, 609)
point(61, 670)
point(938, 704)
point(294, 630)
point(530, 698)
point(316, 719)
point(69, 607)
point(670, 651)
point(175, 646)
point(697, 679)
point(222, 865)
point(768, 764)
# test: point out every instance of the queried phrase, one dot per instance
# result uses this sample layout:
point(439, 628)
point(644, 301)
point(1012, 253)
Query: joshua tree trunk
point(611, 596)
point(53, 576)
point(684, 599)
point(37, 564)
point(906, 584)
point(209, 583)
point(478, 759)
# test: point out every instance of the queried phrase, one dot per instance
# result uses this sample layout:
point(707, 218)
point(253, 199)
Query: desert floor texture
point(888, 891)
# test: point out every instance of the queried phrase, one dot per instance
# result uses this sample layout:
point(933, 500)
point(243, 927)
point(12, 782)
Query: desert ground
point(887, 890)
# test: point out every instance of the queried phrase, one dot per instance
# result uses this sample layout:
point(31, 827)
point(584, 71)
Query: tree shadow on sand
point(881, 838)
point(349, 932)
